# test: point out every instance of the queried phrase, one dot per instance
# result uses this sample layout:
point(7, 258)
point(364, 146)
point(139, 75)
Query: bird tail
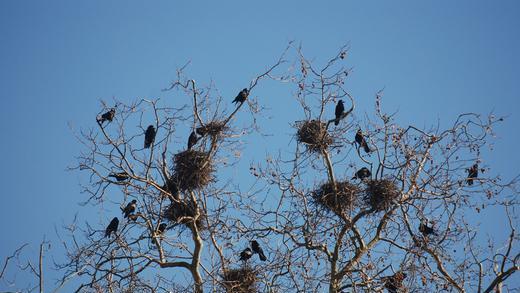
point(262, 256)
point(469, 181)
point(367, 149)
point(336, 122)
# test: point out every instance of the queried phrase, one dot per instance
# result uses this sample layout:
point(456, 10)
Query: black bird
point(172, 188)
point(395, 282)
point(108, 116)
point(361, 141)
point(472, 174)
point(120, 176)
point(192, 140)
point(149, 136)
point(162, 228)
point(130, 208)
point(112, 227)
point(242, 96)
point(425, 230)
point(246, 254)
point(340, 108)
point(362, 174)
point(257, 249)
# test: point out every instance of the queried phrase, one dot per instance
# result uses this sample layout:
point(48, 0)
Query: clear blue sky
point(435, 59)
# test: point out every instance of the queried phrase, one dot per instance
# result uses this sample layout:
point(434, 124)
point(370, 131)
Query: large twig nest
point(381, 194)
point(241, 280)
point(340, 202)
point(314, 135)
point(213, 128)
point(184, 212)
point(192, 169)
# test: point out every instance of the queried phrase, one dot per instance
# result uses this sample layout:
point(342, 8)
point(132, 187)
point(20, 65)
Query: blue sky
point(435, 59)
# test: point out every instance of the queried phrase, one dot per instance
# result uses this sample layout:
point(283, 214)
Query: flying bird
point(192, 140)
point(258, 250)
point(425, 230)
point(112, 227)
point(149, 136)
point(242, 96)
point(130, 208)
point(362, 174)
point(395, 282)
point(472, 174)
point(246, 254)
point(340, 108)
point(120, 176)
point(108, 116)
point(361, 141)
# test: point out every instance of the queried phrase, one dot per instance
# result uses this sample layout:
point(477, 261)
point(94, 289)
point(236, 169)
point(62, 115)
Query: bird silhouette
point(242, 96)
point(130, 208)
point(340, 108)
point(246, 254)
point(162, 228)
point(395, 282)
point(120, 176)
point(258, 250)
point(108, 116)
point(192, 140)
point(361, 141)
point(112, 227)
point(149, 136)
point(472, 174)
point(362, 174)
point(425, 230)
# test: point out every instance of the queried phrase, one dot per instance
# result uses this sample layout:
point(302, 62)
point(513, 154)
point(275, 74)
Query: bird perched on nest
point(395, 282)
point(242, 96)
point(258, 250)
point(108, 116)
point(361, 141)
point(130, 208)
point(425, 230)
point(192, 140)
point(472, 174)
point(362, 174)
point(112, 227)
point(340, 108)
point(246, 254)
point(149, 136)
point(120, 176)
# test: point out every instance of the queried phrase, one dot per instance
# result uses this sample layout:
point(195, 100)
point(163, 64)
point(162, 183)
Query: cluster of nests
point(379, 195)
point(314, 134)
point(240, 280)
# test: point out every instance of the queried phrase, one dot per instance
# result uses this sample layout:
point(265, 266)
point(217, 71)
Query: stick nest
point(213, 128)
point(381, 194)
point(340, 203)
point(192, 169)
point(241, 280)
point(314, 134)
point(184, 212)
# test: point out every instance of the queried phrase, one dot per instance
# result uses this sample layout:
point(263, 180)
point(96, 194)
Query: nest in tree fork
point(192, 169)
point(314, 134)
point(340, 202)
point(381, 194)
point(213, 128)
point(184, 212)
point(240, 280)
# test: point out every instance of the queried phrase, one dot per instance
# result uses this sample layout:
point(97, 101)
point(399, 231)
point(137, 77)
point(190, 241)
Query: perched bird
point(425, 230)
point(192, 140)
point(112, 227)
point(472, 174)
point(246, 254)
point(120, 176)
point(130, 208)
point(162, 228)
point(149, 136)
point(172, 187)
point(108, 116)
point(257, 249)
point(242, 96)
point(361, 141)
point(395, 282)
point(340, 108)
point(362, 174)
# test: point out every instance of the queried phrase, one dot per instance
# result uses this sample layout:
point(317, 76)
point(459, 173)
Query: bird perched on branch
point(246, 254)
point(472, 174)
point(242, 96)
point(361, 141)
point(258, 250)
point(130, 208)
point(120, 176)
point(108, 116)
point(340, 108)
point(112, 227)
point(395, 282)
point(162, 228)
point(192, 140)
point(362, 174)
point(149, 136)
point(425, 230)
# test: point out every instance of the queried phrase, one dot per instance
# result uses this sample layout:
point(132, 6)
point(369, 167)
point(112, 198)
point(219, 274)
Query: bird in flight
point(112, 227)
point(242, 96)
point(149, 136)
